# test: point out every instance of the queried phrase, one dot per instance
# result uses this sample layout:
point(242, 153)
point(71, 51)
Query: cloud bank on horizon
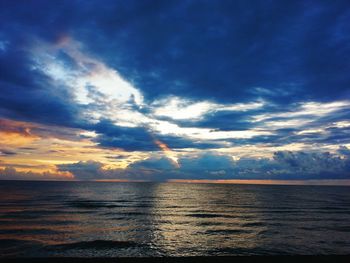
point(160, 90)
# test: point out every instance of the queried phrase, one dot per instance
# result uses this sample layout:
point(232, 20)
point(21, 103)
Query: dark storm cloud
point(128, 138)
point(218, 49)
point(82, 170)
point(28, 94)
point(225, 49)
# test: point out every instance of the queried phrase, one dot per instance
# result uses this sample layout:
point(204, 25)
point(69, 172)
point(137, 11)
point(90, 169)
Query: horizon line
point(330, 182)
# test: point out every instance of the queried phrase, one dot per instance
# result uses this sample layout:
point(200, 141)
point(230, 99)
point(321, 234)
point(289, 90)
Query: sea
point(143, 219)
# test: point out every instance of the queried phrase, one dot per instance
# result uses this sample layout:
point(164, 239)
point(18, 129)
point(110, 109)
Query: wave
point(15, 247)
point(95, 244)
point(254, 224)
point(91, 204)
point(207, 215)
point(29, 232)
point(240, 251)
point(227, 231)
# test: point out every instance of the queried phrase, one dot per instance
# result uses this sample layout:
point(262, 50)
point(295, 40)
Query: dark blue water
point(92, 219)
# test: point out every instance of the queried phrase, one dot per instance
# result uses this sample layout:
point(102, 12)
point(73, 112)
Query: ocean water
point(103, 219)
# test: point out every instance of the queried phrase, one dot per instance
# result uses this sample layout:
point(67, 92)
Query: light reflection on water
point(203, 219)
point(169, 219)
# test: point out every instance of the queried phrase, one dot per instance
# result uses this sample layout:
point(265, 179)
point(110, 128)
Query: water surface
point(103, 219)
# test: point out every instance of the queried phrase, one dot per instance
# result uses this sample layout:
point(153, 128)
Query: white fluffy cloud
point(184, 109)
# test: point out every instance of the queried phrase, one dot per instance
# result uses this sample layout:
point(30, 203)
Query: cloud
point(238, 41)
point(255, 45)
point(177, 108)
point(275, 47)
point(154, 163)
point(315, 164)
point(206, 162)
point(17, 133)
point(14, 133)
point(10, 173)
point(83, 170)
point(285, 165)
point(80, 88)
point(344, 151)
point(91, 170)
point(127, 138)
point(124, 75)
point(89, 79)
point(7, 152)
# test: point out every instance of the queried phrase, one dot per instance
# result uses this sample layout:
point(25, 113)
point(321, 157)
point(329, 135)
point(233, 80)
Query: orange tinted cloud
point(168, 152)
point(10, 173)
point(36, 148)
point(16, 133)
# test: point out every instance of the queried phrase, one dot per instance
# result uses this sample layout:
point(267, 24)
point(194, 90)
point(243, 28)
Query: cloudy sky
point(160, 90)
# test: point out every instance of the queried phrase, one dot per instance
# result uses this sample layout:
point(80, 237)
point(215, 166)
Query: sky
point(174, 90)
